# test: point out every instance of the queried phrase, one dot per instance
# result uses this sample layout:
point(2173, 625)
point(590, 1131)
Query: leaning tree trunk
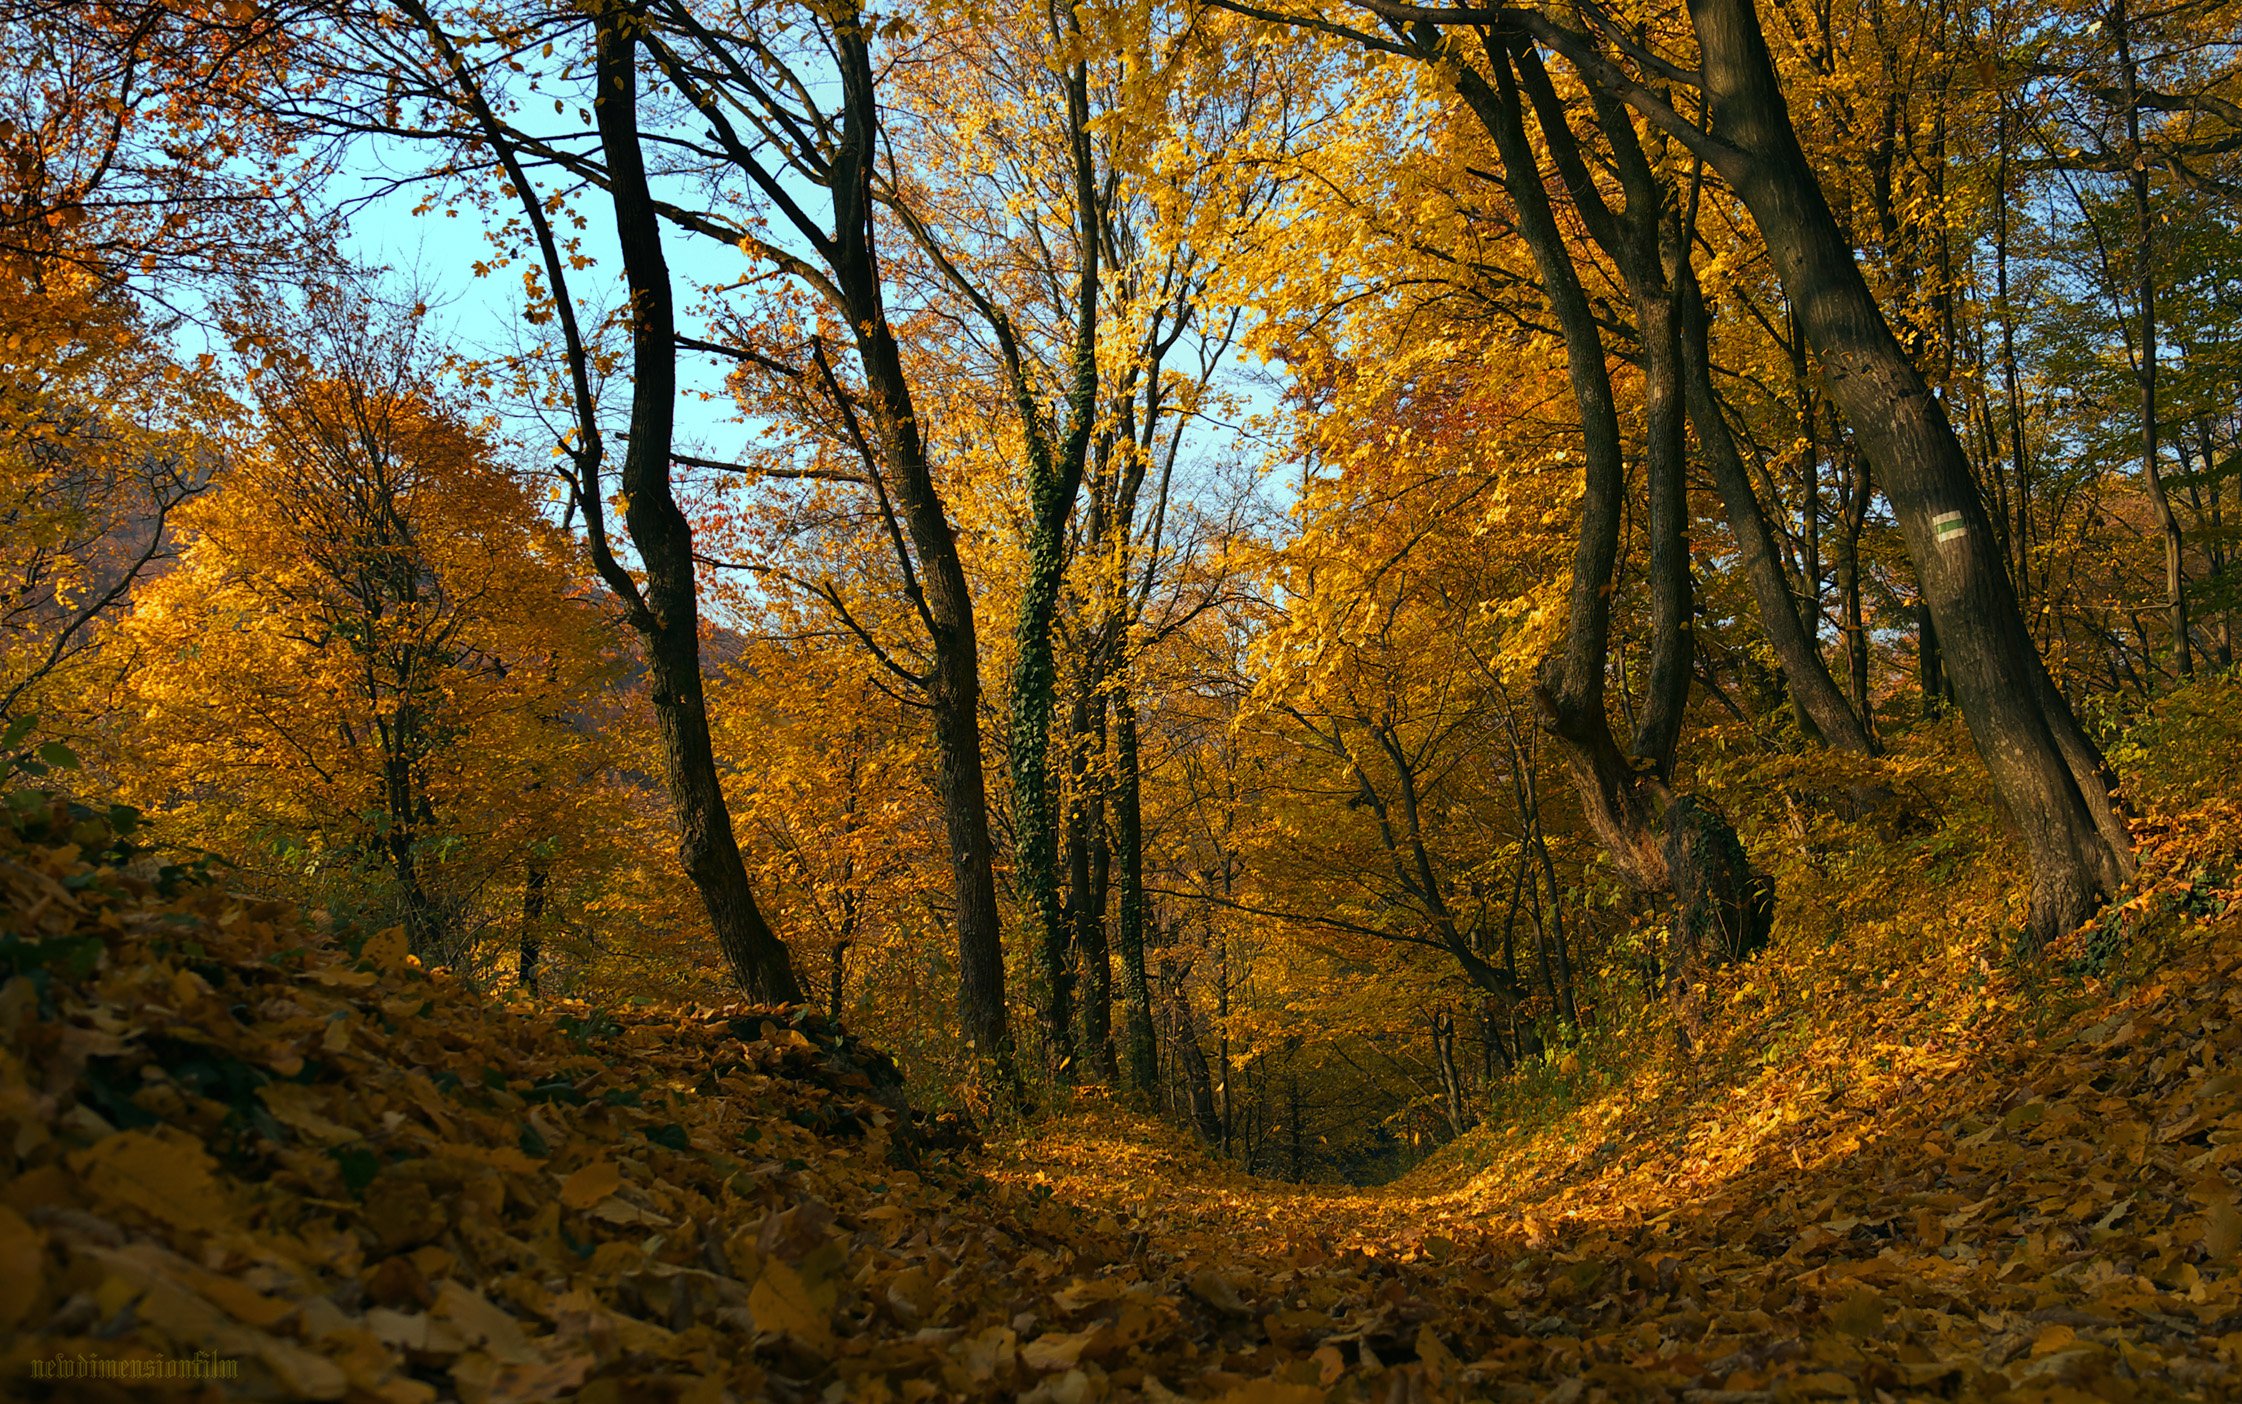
point(954, 689)
point(1820, 705)
point(668, 621)
point(1570, 694)
point(2050, 776)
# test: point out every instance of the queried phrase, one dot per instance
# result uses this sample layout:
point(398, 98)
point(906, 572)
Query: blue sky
point(435, 255)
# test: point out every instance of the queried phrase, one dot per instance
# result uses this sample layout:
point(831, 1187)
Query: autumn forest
point(1176, 699)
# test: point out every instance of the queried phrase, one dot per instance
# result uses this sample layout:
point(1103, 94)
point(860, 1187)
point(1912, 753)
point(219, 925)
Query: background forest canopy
point(1308, 563)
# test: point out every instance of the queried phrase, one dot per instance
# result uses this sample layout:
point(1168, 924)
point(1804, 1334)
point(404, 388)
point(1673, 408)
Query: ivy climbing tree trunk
point(1088, 857)
point(1055, 459)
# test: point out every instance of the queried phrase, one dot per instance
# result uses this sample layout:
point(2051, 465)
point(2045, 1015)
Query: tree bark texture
point(954, 690)
point(1129, 928)
point(2045, 769)
point(668, 620)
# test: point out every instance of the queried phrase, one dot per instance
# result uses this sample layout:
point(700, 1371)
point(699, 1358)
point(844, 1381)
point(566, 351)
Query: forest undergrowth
point(235, 1141)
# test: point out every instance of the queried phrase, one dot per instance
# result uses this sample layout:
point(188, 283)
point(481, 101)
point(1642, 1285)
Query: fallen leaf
point(167, 1179)
point(781, 1304)
point(2222, 1232)
point(22, 1267)
point(591, 1184)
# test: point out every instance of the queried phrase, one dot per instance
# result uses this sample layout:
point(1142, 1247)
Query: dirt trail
point(2046, 1216)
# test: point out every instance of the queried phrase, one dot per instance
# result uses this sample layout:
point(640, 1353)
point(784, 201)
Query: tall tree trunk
point(1451, 1078)
point(1191, 1059)
point(531, 948)
point(2144, 268)
point(1820, 705)
point(954, 689)
point(1852, 623)
point(400, 836)
point(1087, 858)
point(2047, 772)
point(1930, 668)
point(1673, 642)
point(1809, 482)
point(668, 619)
point(1035, 819)
point(1055, 467)
point(1294, 1164)
point(2210, 514)
point(1128, 837)
point(2020, 460)
point(1097, 958)
point(1222, 1038)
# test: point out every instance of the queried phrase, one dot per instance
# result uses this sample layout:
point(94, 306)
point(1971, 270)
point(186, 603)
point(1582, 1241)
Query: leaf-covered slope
point(2043, 1217)
point(221, 1133)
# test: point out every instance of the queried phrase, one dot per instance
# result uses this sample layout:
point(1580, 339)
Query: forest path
point(2045, 1208)
point(357, 1179)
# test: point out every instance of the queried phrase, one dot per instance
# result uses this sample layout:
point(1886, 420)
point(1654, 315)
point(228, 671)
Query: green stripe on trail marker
point(1948, 526)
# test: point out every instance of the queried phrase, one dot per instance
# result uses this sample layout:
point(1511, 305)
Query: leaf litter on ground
point(226, 1133)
